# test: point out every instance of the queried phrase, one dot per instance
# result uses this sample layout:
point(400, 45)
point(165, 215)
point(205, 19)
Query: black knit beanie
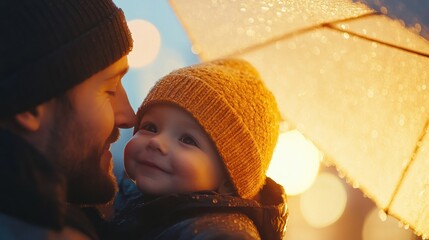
point(49, 46)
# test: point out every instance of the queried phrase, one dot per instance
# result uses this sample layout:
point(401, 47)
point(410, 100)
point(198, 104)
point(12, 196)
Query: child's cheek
point(129, 158)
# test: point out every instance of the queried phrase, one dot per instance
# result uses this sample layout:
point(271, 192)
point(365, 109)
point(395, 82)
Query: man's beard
point(78, 154)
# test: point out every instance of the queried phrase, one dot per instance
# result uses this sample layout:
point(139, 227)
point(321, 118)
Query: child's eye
point(150, 127)
point(186, 139)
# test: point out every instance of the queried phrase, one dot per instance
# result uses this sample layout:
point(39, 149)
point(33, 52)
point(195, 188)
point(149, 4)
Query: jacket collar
point(274, 211)
point(270, 214)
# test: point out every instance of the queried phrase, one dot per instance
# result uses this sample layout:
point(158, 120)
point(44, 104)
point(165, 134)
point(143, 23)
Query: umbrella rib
point(329, 25)
point(413, 157)
point(294, 33)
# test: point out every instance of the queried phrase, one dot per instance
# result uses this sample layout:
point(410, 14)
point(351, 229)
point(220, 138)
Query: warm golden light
point(147, 43)
point(375, 228)
point(295, 162)
point(324, 202)
point(356, 86)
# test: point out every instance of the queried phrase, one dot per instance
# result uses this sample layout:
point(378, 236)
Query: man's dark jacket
point(33, 196)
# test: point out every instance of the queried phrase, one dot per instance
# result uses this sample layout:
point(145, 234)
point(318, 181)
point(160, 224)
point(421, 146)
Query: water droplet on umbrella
point(383, 10)
point(346, 35)
point(417, 28)
point(382, 215)
point(355, 185)
point(196, 49)
point(401, 120)
point(370, 93)
point(341, 174)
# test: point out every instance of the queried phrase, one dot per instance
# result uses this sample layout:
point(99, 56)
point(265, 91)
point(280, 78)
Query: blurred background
point(322, 204)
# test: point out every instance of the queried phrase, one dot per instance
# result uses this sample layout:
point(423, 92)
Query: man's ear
point(30, 120)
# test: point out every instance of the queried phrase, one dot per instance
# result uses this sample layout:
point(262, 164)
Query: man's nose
point(124, 114)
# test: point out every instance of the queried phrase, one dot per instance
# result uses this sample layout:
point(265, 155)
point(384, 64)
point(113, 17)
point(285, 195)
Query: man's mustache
point(114, 136)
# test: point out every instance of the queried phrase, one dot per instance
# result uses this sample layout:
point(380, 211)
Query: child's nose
point(159, 143)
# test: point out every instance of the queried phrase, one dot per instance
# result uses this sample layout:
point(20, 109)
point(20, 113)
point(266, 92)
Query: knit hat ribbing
point(231, 103)
point(49, 46)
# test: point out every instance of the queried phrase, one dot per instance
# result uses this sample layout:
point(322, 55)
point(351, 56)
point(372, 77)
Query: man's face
point(85, 124)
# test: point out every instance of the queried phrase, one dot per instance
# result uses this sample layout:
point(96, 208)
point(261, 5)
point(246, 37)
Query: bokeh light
point(147, 43)
point(318, 206)
point(390, 228)
point(295, 163)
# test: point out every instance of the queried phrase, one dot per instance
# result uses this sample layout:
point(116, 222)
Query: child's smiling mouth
point(154, 166)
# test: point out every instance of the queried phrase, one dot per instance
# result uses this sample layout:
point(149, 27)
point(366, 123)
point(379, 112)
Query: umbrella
point(353, 80)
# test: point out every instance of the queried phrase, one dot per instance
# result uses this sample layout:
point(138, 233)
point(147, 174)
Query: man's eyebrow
point(118, 75)
point(123, 72)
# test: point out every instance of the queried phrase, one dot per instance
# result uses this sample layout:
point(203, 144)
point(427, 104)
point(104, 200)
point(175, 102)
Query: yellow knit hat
point(231, 103)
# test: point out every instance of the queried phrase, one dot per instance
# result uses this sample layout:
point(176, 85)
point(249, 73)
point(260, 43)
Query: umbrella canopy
point(414, 13)
point(352, 80)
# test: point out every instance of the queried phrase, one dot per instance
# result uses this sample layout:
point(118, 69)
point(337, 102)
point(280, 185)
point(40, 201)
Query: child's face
point(171, 153)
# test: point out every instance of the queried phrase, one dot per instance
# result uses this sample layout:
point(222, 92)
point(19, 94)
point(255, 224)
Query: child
point(199, 154)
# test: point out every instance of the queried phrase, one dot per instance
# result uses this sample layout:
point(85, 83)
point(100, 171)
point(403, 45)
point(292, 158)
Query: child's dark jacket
point(205, 215)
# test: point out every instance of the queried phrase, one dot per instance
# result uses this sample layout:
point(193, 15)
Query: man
point(61, 104)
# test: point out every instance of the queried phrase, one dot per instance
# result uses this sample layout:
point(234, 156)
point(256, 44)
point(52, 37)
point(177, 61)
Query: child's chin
point(149, 187)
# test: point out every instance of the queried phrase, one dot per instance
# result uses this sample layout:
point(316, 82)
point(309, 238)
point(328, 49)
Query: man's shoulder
point(12, 228)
